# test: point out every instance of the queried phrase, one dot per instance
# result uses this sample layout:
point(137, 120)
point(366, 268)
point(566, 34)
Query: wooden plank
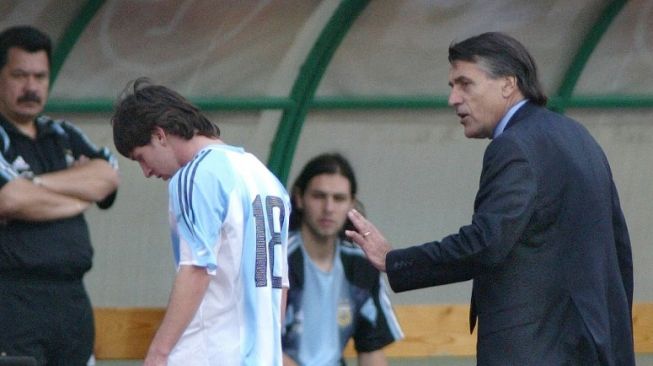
point(430, 330)
point(643, 327)
point(125, 333)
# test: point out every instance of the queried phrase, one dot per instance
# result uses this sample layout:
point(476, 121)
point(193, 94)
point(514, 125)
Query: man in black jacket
point(50, 173)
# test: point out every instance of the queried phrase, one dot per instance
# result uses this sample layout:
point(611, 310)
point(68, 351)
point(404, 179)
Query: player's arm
point(287, 361)
point(284, 300)
point(374, 358)
point(21, 199)
point(88, 179)
point(188, 291)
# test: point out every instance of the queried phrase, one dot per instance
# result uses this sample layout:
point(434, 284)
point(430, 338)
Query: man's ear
point(159, 134)
point(509, 86)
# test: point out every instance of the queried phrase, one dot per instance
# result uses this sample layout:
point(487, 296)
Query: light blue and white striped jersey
point(230, 214)
point(327, 309)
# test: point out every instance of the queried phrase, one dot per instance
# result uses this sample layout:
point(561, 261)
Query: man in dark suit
point(548, 248)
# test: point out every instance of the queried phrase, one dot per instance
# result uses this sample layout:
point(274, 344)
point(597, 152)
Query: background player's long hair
point(328, 163)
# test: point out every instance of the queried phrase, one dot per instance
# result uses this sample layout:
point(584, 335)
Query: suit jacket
point(547, 249)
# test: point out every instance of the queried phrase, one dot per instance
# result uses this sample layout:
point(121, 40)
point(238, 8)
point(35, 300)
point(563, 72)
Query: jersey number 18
point(274, 210)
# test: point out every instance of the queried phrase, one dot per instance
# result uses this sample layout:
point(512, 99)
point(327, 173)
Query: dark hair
point(143, 106)
point(328, 163)
point(24, 37)
point(503, 56)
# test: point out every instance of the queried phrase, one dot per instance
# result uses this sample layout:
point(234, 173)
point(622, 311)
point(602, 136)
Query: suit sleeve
point(622, 243)
point(503, 207)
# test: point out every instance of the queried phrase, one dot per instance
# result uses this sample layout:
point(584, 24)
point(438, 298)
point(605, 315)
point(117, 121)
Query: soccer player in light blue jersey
point(335, 294)
point(229, 226)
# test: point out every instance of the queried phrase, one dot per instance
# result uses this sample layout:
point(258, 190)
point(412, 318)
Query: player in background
point(335, 294)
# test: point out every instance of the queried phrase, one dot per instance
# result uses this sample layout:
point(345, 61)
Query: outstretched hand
point(369, 238)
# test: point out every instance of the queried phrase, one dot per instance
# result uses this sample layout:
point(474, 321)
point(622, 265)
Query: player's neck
point(321, 249)
point(187, 149)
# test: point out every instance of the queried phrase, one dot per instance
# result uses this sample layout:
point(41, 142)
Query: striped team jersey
point(229, 214)
point(327, 309)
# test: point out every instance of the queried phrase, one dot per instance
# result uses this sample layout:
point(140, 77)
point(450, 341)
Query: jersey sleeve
point(7, 172)
point(80, 145)
point(199, 204)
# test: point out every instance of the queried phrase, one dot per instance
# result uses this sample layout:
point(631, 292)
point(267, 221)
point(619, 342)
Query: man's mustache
point(29, 97)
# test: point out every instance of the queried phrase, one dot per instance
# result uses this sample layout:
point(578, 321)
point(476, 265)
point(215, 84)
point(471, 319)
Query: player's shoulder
point(357, 268)
point(350, 249)
point(294, 242)
point(57, 125)
point(208, 163)
point(219, 160)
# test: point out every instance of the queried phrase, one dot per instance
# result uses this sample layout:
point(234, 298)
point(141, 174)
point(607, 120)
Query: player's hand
point(368, 237)
point(155, 360)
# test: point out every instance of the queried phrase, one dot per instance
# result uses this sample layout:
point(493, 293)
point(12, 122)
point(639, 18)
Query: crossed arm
point(60, 194)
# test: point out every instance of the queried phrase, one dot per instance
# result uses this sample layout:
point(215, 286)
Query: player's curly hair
point(143, 106)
